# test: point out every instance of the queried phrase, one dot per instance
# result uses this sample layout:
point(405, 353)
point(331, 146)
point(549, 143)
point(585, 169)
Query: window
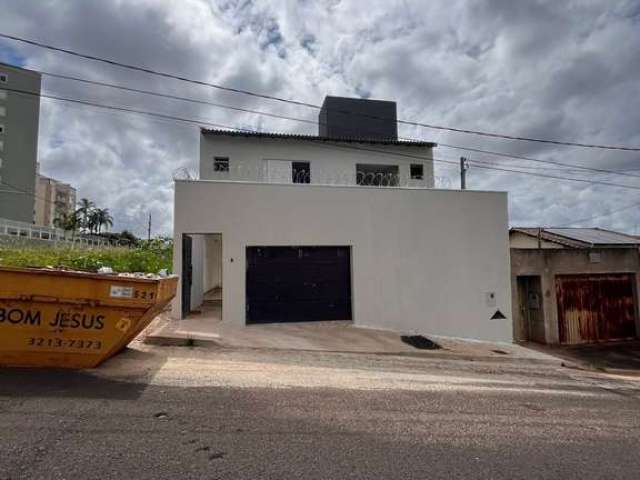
point(378, 175)
point(4, 78)
point(3, 94)
point(301, 172)
point(3, 111)
point(417, 171)
point(220, 164)
point(1, 128)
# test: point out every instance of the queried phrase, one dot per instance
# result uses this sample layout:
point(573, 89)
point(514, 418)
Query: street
point(169, 412)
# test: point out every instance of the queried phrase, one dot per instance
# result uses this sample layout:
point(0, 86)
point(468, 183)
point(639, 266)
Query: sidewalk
point(334, 336)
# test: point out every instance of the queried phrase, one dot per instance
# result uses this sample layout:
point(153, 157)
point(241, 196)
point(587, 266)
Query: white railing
point(14, 229)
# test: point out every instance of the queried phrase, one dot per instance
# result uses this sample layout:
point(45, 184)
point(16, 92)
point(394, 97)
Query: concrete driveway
point(334, 336)
point(613, 357)
point(623, 357)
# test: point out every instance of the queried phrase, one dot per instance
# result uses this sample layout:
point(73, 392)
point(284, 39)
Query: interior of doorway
point(202, 276)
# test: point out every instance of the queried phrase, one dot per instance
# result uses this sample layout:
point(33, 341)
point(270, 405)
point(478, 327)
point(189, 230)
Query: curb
point(178, 341)
point(168, 341)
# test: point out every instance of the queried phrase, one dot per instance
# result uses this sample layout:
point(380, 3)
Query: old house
point(343, 225)
point(574, 285)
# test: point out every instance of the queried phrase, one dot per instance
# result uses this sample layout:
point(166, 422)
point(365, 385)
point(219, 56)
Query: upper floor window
point(378, 175)
point(301, 172)
point(417, 171)
point(4, 78)
point(1, 128)
point(220, 164)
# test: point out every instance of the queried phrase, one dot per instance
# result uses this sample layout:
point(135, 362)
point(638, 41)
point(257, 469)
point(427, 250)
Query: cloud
point(565, 70)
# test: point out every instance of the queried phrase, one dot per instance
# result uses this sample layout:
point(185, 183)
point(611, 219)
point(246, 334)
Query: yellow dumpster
point(56, 318)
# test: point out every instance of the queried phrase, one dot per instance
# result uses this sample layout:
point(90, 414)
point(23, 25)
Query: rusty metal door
point(596, 307)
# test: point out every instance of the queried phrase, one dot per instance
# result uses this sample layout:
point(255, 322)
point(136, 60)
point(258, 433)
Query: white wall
point(422, 260)
point(330, 165)
point(213, 262)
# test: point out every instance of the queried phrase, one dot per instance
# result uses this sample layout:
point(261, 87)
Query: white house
point(345, 225)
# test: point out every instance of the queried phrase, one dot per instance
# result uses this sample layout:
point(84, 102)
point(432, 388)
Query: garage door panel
point(291, 284)
point(595, 308)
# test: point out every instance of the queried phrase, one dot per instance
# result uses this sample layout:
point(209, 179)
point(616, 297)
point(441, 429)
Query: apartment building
point(19, 117)
point(53, 199)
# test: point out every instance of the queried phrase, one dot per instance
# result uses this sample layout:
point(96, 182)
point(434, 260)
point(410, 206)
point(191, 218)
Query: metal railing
point(15, 229)
point(254, 172)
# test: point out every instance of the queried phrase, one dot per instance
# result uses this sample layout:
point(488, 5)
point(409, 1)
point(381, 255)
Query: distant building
point(19, 117)
point(53, 198)
point(574, 285)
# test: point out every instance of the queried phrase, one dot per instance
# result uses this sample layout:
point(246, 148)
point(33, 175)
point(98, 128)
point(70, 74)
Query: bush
point(148, 256)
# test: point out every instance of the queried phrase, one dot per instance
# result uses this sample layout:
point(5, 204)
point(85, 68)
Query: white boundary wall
point(423, 261)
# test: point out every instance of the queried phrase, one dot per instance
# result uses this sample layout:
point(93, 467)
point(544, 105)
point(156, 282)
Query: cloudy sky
point(565, 70)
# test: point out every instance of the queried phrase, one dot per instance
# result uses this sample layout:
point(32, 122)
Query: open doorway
point(202, 275)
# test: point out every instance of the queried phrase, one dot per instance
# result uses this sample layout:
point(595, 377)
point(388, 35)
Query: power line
point(306, 104)
point(26, 192)
point(608, 214)
point(174, 97)
point(537, 160)
point(333, 145)
point(285, 117)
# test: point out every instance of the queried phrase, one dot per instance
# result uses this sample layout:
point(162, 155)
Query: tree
point(85, 208)
point(127, 238)
point(67, 221)
point(103, 217)
point(93, 220)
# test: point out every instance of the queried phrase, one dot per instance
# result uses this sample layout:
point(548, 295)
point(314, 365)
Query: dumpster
point(58, 318)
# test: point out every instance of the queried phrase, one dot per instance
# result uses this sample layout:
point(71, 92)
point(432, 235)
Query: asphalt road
point(189, 413)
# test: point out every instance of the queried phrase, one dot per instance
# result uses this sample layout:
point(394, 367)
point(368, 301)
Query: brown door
point(596, 308)
point(531, 313)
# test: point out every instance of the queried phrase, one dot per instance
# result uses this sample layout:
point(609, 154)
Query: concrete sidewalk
point(334, 336)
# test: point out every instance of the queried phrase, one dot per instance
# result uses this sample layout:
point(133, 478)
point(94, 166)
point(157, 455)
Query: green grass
point(148, 257)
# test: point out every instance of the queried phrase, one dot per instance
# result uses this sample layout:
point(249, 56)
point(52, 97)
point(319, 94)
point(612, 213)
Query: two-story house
point(345, 225)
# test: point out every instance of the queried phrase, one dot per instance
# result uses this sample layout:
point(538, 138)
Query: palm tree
point(85, 207)
point(103, 217)
point(93, 220)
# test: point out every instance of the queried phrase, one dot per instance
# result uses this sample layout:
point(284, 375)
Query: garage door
point(596, 308)
point(298, 284)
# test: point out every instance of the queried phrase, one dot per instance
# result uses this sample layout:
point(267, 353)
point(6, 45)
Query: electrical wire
point(306, 104)
point(595, 217)
point(324, 144)
point(571, 168)
point(530, 159)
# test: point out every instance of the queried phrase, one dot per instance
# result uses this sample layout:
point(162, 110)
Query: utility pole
point(149, 229)
point(464, 166)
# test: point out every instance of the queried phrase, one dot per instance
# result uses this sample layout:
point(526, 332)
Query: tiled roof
point(581, 237)
point(315, 138)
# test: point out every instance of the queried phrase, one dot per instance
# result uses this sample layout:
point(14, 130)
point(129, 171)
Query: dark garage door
point(596, 308)
point(298, 284)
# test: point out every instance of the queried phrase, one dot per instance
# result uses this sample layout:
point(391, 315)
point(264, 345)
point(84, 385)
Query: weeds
point(147, 256)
